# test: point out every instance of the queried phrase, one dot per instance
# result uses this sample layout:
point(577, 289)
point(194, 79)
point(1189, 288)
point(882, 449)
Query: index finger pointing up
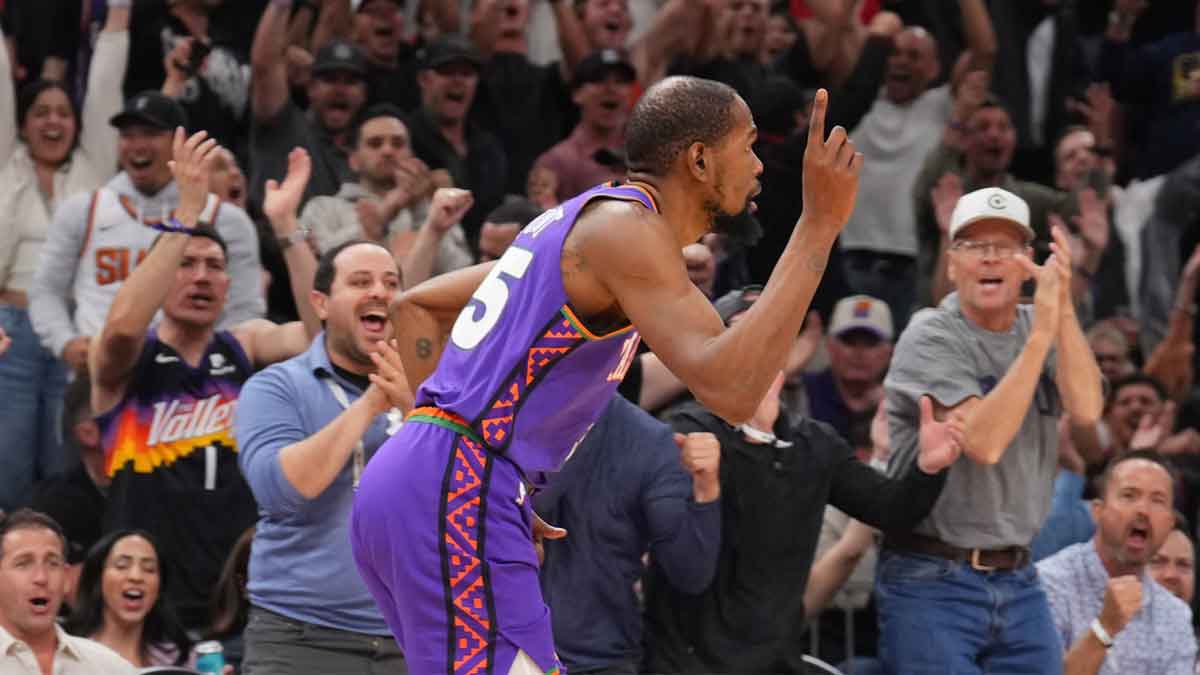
point(816, 121)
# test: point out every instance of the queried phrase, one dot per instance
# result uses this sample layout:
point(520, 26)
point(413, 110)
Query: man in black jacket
point(776, 479)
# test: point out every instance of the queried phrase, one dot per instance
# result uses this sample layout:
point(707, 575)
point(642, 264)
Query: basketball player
point(442, 521)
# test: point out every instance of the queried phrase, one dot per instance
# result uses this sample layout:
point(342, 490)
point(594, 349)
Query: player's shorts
point(442, 535)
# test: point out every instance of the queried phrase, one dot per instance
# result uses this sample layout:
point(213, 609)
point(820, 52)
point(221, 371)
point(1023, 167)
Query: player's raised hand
point(1063, 258)
point(1048, 298)
point(831, 168)
point(389, 385)
point(191, 165)
point(1153, 429)
point(282, 200)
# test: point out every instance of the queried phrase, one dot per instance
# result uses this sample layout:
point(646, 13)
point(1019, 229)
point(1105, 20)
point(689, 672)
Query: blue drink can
point(210, 657)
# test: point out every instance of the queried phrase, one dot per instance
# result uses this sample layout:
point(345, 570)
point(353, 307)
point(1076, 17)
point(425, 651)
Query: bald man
point(907, 121)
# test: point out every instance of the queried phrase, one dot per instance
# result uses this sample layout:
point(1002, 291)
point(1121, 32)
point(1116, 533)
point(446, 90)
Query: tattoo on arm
point(424, 348)
point(572, 262)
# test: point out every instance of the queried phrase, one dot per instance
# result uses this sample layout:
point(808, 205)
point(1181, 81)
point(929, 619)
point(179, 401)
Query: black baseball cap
point(596, 66)
point(151, 108)
point(339, 56)
point(449, 49)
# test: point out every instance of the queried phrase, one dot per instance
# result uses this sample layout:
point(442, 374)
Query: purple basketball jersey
point(519, 366)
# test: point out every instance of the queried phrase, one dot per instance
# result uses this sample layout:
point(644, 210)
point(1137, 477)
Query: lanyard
point(359, 452)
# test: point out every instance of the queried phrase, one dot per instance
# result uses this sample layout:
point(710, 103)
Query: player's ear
point(698, 161)
point(319, 301)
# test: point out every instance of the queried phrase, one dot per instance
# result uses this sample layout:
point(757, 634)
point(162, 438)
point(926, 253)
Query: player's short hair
point(1137, 378)
point(373, 112)
point(993, 101)
point(205, 231)
point(327, 270)
point(28, 519)
point(671, 116)
point(1146, 455)
point(1071, 129)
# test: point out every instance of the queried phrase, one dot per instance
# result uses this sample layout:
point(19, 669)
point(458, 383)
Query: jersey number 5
point(470, 330)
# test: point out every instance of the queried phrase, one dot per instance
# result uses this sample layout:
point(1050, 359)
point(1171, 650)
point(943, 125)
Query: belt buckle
point(978, 566)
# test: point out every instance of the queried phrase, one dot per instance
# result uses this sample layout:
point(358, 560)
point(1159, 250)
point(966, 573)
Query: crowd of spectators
point(165, 483)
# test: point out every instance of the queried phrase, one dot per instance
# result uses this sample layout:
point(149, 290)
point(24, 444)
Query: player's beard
point(741, 230)
point(381, 178)
point(346, 344)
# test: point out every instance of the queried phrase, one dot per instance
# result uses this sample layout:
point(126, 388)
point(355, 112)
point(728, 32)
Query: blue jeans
point(32, 383)
point(940, 616)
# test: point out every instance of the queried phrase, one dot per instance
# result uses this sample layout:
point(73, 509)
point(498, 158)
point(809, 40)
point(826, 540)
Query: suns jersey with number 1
point(519, 366)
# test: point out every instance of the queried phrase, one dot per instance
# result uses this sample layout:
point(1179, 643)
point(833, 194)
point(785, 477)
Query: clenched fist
point(700, 454)
point(448, 207)
point(1122, 599)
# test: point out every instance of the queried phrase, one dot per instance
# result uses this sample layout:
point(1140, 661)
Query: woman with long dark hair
point(230, 602)
point(122, 605)
point(50, 149)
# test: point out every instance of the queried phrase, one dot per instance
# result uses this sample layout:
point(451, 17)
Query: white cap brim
point(1030, 235)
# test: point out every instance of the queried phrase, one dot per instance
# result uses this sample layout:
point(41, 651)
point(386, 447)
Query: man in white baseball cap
point(862, 312)
point(1010, 371)
point(990, 204)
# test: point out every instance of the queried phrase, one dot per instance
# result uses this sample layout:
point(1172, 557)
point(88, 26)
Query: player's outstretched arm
point(633, 254)
point(115, 350)
point(423, 315)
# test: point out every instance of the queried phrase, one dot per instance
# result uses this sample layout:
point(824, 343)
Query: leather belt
point(980, 559)
point(14, 298)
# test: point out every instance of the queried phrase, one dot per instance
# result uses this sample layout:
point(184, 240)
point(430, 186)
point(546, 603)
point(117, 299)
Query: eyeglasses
point(978, 249)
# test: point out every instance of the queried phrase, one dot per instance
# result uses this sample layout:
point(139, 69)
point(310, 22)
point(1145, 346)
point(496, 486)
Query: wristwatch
point(295, 237)
point(763, 437)
point(1101, 634)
